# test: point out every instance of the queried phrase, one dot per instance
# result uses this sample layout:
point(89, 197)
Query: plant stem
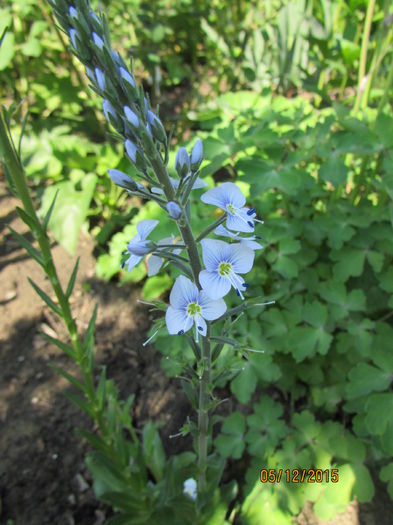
point(211, 227)
point(363, 54)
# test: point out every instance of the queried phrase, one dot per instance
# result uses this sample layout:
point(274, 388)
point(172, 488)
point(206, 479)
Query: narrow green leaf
point(224, 340)
point(79, 402)
point(91, 328)
point(194, 347)
point(33, 252)
point(94, 440)
point(73, 380)
point(27, 219)
point(48, 214)
point(63, 347)
point(46, 298)
point(71, 282)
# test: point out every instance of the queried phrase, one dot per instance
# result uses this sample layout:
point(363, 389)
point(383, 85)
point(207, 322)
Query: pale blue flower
point(97, 40)
point(223, 263)
point(131, 117)
point(139, 246)
point(182, 162)
point(196, 155)
point(100, 79)
point(189, 306)
point(155, 262)
point(229, 198)
point(123, 180)
point(190, 488)
point(245, 241)
point(173, 209)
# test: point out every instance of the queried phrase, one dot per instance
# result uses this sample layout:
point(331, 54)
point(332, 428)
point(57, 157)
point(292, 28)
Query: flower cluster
point(224, 262)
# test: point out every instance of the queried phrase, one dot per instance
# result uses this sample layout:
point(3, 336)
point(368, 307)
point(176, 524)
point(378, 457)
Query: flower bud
point(100, 79)
point(156, 126)
point(123, 180)
point(196, 155)
point(182, 162)
point(94, 17)
point(173, 210)
point(97, 41)
point(128, 83)
point(90, 74)
point(75, 39)
point(110, 113)
point(73, 12)
point(131, 117)
point(135, 155)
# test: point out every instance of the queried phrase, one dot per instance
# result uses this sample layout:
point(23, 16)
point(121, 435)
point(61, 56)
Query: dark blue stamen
point(180, 332)
point(200, 328)
point(123, 253)
point(258, 237)
point(251, 225)
point(250, 212)
point(246, 285)
point(237, 292)
point(122, 265)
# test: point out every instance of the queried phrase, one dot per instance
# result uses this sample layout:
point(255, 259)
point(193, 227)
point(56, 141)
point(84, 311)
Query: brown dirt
point(43, 479)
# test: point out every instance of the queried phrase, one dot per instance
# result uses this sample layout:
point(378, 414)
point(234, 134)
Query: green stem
point(386, 92)
point(210, 228)
point(363, 54)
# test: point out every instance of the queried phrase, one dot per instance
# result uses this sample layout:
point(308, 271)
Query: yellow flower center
point(224, 269)
point(193, 309)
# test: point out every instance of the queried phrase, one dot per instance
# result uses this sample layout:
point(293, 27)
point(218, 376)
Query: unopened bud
point(182, 162)
point(123, 180)
point(100, 79)
point(75, 39)
point(135, 155)
point(131, 117)
point(73, 12)
point(129, 83)
point(97, 41)
point(173, 210)
point(196, 155)
point(110, 113)
point(156, 126)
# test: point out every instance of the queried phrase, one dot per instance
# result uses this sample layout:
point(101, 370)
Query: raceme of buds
point(196, 155)
point(182, 162)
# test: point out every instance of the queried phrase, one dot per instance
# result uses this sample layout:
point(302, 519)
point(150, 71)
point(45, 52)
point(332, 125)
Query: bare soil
point(43, 479)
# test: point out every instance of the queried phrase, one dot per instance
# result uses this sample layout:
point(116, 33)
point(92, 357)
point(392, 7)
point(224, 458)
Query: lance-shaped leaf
point(52, 305)
point(27, 219)
point(33, 252)
point(70, 378)
point(153, 450)
point(71, 282)
point(63, 347)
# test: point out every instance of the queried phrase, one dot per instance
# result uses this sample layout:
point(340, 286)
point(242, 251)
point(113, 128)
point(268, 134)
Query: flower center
point(224, 269)
point(193, 309)
point(231, 209)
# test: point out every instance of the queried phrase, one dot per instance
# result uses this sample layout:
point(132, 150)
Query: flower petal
point(214, 252)
point(211, 309)
point(201, 325)
point(213, 284)
point(183, 293)
point(217, 197)
point(199, 183)
point(242, 258)
point(177, 320)
point(234, 194)
point(132, 261)
point(253, 245)
point(144, 228)
point(154, 264)
point(241, 222)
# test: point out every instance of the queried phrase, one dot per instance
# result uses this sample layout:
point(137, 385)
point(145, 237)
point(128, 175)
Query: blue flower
point(196, 155)
point(229, 198)
point(189, 306)
point(223, 263)
point(190, 488)
point(138, 247)
point(173, 210)
point(123, 180)
point(245, 241)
